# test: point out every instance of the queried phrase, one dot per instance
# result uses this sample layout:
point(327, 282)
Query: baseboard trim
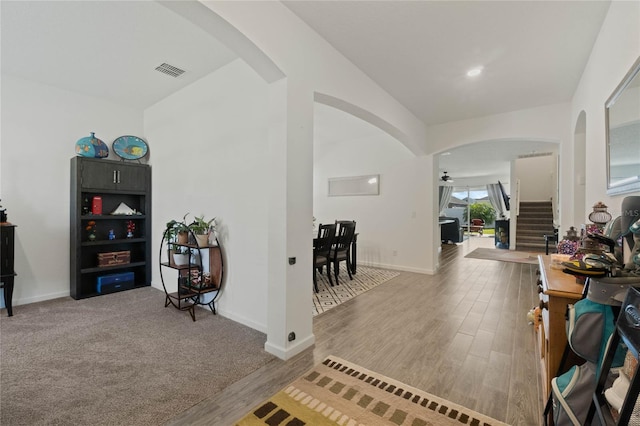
point(402, 268)
point(35, 299)
point(240, 319)
point(232, 316)
point(290, 352)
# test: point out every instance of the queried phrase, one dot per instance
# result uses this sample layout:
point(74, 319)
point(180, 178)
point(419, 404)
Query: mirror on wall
point(354, 185)
point(622, 118)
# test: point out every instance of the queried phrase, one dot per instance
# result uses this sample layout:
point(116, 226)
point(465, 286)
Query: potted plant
point(181, 255)
point(182, 230)
point(176, 234)
point(201, 229)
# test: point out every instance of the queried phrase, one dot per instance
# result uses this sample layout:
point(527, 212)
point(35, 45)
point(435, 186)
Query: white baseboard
point(402, 268)
point(290, 352)
point(230, 315)
point(40, 298)
point(242, 320)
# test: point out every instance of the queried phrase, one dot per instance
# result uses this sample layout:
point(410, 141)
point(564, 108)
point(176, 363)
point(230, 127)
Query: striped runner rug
point(339, 392)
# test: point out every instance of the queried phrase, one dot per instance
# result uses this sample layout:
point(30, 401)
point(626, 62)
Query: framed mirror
point(354, 185)
point(622, 121)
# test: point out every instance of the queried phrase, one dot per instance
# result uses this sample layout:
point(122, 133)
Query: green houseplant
point(202, 228)
point(177, 233)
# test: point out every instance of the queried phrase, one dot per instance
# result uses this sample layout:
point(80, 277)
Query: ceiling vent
point(170, 70)
point(535, 154)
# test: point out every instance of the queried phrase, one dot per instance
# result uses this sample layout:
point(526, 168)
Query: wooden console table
point(557, 290)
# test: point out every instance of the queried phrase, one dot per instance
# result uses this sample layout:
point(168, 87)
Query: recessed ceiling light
point(474, 72)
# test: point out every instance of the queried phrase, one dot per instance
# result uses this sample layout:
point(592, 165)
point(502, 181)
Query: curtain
point(495, 197)
point(445, 197)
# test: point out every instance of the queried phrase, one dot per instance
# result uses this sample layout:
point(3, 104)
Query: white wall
point(40, 126)
point(210, 148)
point(537, 177)
point(615, 50)
point(579, 172)
point(546, 123)
point(312, 66)
point(301, 53)
point(390, 225)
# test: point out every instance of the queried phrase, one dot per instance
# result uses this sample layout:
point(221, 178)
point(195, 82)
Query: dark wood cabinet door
point(98, 175)
point(111, 175)
point(131, 177)
point(6, 250)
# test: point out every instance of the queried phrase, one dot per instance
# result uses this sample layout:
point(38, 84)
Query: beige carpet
point(118, 359)
point(364, 280)
point(339, 392)
point(504, 255)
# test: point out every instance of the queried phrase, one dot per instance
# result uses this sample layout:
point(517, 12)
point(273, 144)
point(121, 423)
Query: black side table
point(549, 238)
point(7, 272)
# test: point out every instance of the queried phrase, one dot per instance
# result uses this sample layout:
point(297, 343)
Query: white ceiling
point(107, 49)
point(533, 53)
point(487, 162)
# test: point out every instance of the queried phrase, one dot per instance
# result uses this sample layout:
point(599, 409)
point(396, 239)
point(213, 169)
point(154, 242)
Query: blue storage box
point(115, 282)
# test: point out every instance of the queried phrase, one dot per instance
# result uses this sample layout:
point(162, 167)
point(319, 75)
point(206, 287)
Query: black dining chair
point(322, 251)
point(342, 247)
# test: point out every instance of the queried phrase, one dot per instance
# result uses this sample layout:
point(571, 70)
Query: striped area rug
point(365, 279)
point(343, 393)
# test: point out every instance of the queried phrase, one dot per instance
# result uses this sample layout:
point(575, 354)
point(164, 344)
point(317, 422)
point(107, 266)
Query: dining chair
point(322, 251)
point(477, 225)
point(342, 247)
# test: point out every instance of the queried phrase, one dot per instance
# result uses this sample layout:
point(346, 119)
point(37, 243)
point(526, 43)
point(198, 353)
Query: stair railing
point(515, 207)
point(554, 209)
point(517, 203)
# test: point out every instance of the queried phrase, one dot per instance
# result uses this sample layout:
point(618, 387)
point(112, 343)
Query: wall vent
point(169, 70)
point(535, 154)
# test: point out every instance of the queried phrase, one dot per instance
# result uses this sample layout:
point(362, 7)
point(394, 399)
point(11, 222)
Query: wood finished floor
point(461, 334)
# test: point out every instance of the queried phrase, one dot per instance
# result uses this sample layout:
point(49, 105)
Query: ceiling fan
point(446, 178)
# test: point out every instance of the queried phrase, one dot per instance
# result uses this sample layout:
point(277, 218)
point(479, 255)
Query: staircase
point(534, 221)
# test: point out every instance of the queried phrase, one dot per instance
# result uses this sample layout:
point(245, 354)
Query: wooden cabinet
point(116, 183)
point(557, 290)
point(112, 175)
point(7, 271)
